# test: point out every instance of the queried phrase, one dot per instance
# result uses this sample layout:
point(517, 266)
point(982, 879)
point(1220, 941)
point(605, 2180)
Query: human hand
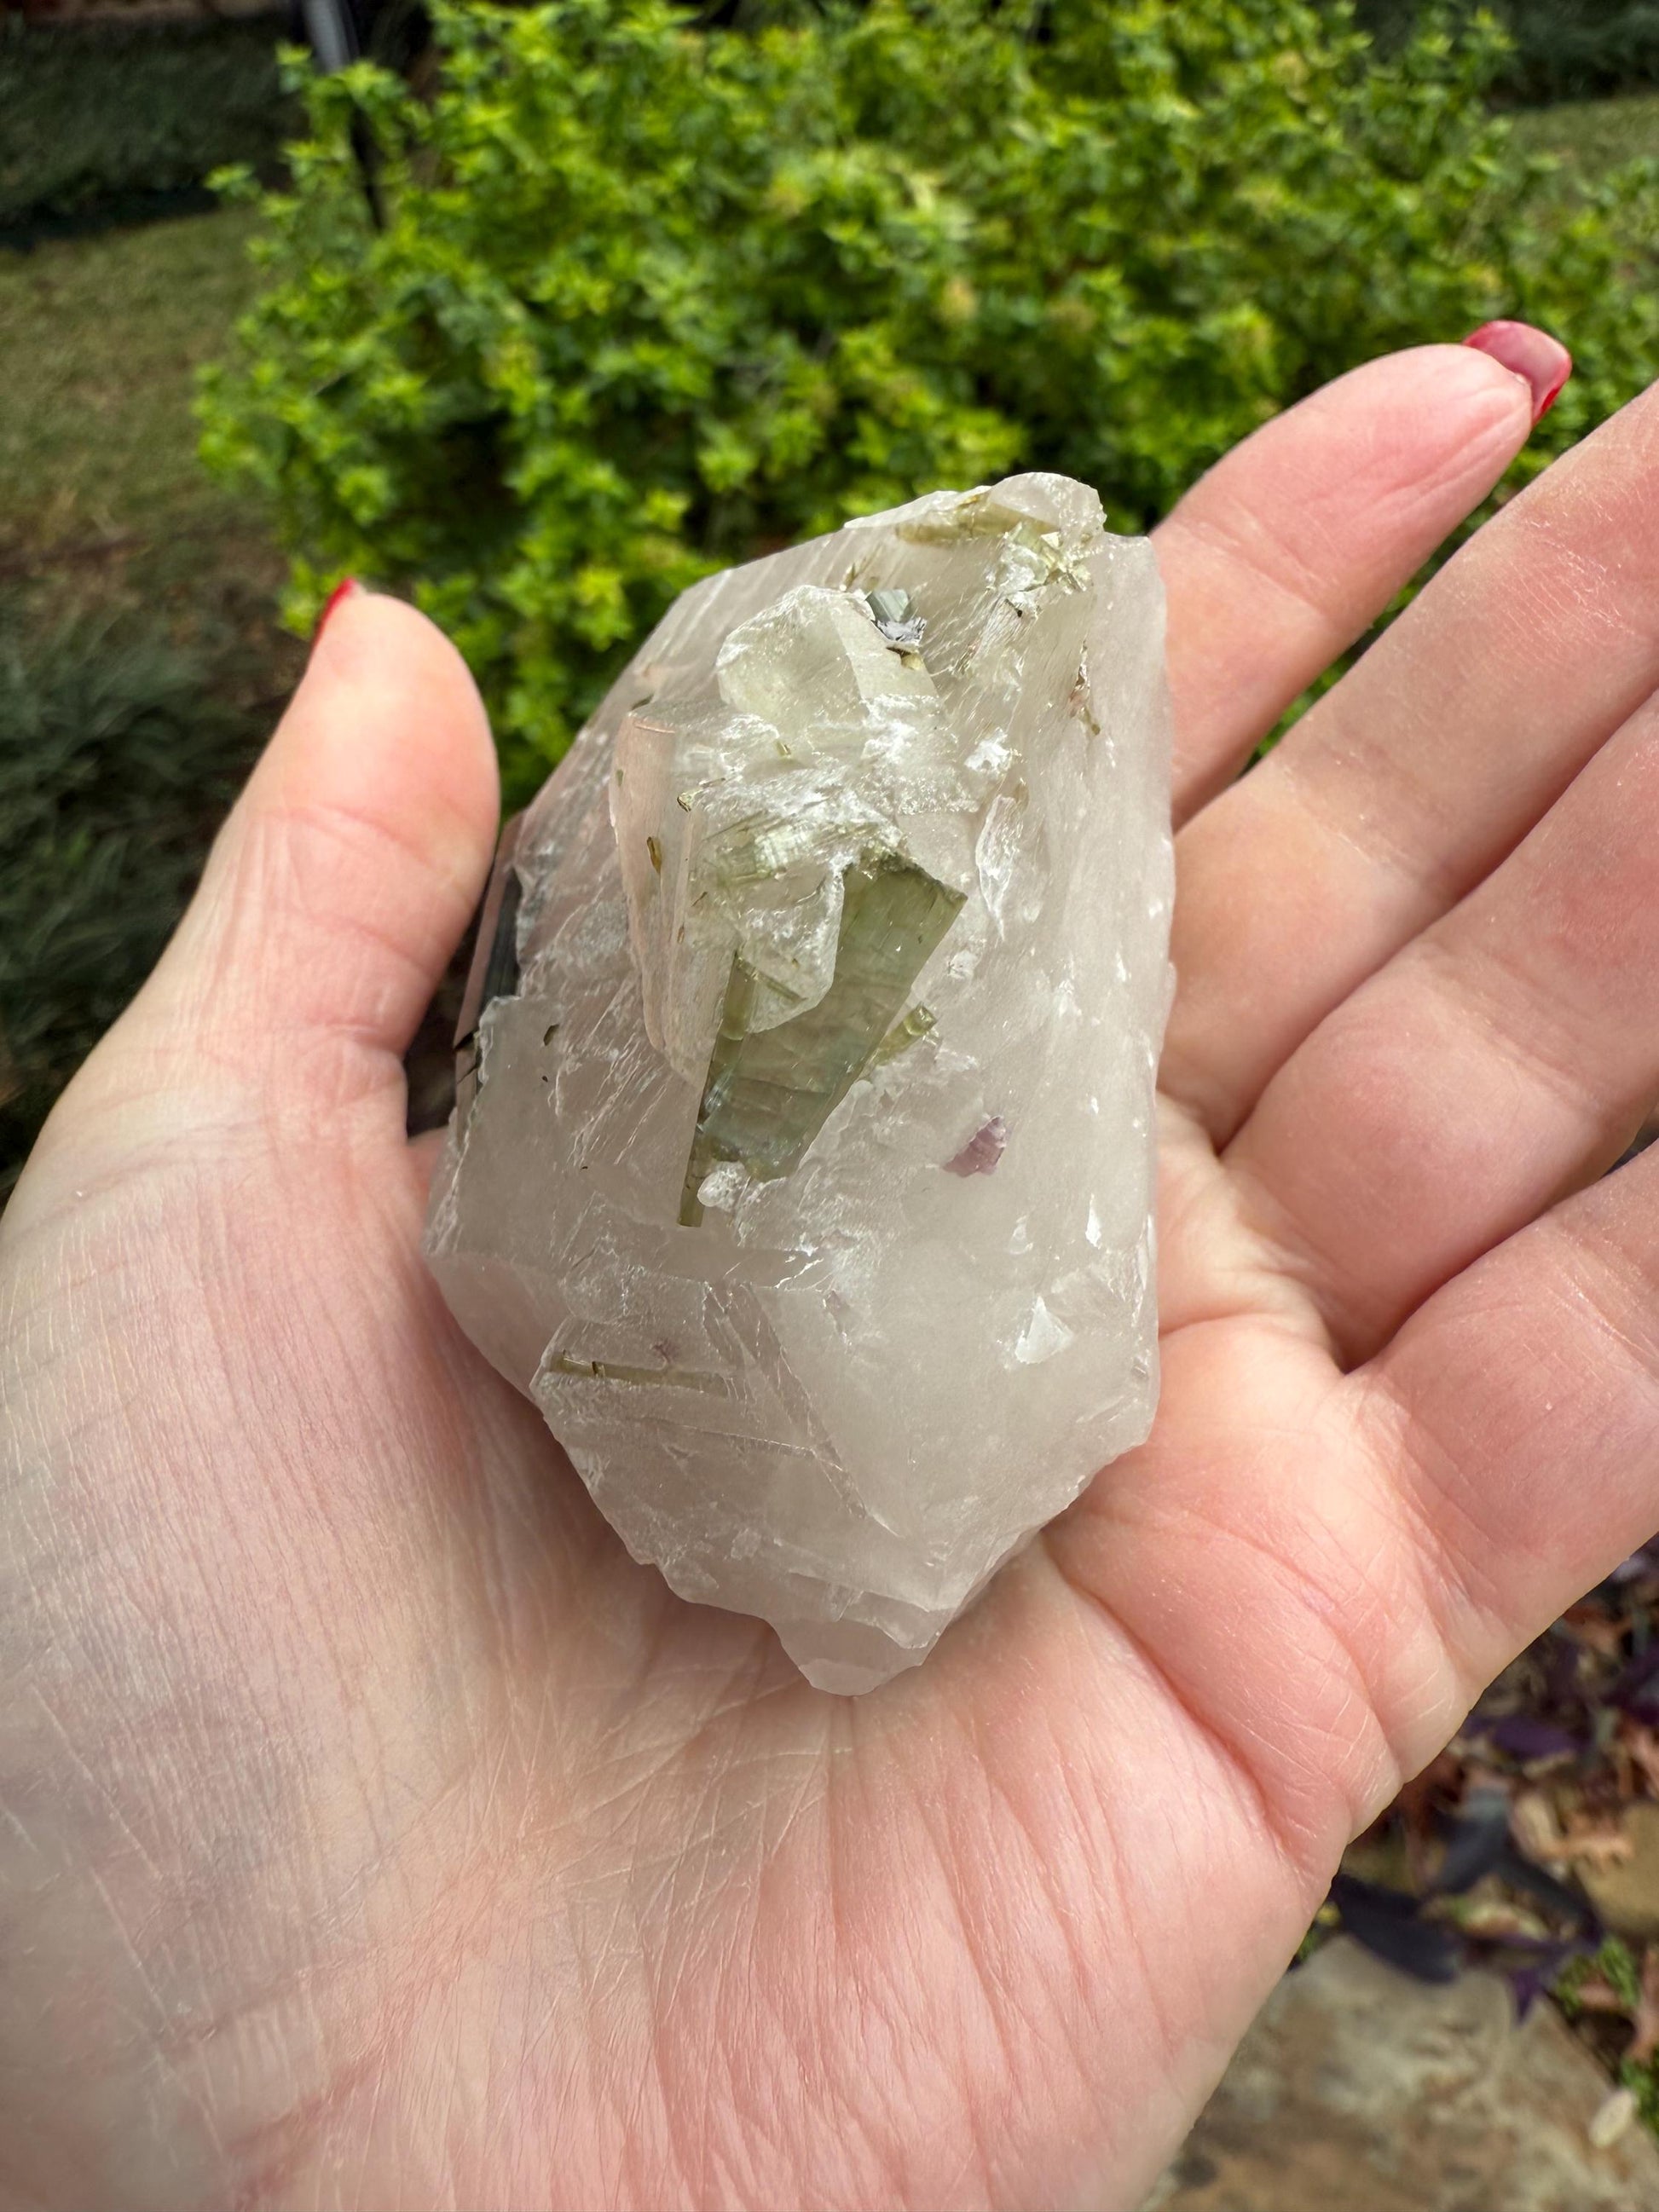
point(373, 1833)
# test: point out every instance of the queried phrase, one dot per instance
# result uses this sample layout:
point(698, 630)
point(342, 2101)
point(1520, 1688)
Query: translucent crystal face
point(802, 1169)
point(771, 1087)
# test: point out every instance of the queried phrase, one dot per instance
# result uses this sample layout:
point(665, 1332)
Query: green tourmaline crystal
point(770, 1091)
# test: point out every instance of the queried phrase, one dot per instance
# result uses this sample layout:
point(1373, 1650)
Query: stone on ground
point(1357, 2090)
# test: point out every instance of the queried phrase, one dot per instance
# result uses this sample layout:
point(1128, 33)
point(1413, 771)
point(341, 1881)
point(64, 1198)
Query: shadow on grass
point(121, 747)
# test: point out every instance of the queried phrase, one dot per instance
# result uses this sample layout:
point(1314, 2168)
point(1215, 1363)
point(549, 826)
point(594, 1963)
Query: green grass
point(1593, 135)
point(99, 339)
point(119, 753)
point(141, 663)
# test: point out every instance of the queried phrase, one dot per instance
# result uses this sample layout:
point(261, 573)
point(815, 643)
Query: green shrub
point(652, 299)
point(1561, 49)
point(1570, 49)
point(110, 117)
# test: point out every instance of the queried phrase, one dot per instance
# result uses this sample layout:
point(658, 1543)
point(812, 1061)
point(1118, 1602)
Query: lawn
point(99, 341)
point(1595, 135)
point(140, 660)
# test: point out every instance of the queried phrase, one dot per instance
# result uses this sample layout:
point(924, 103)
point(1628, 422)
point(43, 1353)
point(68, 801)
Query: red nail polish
point(343, 590)
point(1542, 363)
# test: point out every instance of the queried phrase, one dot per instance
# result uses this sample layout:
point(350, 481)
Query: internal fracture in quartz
point(802, 1164)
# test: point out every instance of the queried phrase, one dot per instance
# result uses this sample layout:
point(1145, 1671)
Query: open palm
point(374, 1833)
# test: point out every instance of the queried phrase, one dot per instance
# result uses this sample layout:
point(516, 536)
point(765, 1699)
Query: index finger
point(1287, 551)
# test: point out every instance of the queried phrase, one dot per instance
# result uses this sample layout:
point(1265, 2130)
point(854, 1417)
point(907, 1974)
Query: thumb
point(333, 897)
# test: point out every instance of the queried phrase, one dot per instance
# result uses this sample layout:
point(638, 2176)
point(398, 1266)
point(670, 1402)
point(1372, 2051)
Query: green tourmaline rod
point(770, 1091)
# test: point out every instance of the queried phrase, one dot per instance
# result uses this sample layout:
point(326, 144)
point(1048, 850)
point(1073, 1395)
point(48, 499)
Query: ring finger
point(1500, 1059)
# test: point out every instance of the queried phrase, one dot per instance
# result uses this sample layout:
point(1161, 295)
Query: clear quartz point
point(802, 1164)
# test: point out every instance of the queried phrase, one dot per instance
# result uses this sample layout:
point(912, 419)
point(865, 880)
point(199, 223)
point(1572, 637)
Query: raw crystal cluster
point(801, 1169)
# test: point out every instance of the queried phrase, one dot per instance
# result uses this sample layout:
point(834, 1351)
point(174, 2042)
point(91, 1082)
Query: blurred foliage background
point(647, 299)
point(107, 121)
point(651, 291)
point(1560, 50)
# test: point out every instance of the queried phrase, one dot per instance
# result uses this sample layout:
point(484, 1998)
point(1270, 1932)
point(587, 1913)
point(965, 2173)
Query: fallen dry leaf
point(1533, 1824)
point(1595, 1838)
point(1597, 1631)
point(1641, 1746)
point(1611, 2119)
point(1495, 1918)
point(1596, 1995)
point(1645, 2041)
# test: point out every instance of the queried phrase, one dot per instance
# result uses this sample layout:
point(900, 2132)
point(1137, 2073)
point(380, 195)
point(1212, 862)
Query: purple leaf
point(1520, 1873)
point(1522, 1735)
point(1527, 1985)
point(1531, 1976)
point(1388, 1924)
point(1635, 1689)
point(1476, 1841)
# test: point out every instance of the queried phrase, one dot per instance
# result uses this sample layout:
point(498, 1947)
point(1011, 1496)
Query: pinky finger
point(1520, 1409)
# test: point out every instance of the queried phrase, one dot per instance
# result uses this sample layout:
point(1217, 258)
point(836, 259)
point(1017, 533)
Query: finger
point(1289, 549)
point(1503, 1057)
point(1518, 1410)
point(1415, 776)
point(348, 868)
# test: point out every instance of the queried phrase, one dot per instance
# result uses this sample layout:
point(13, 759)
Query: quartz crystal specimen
point(801, 1169)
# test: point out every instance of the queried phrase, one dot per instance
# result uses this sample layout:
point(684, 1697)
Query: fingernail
point(1542, 363)
point(343, 590)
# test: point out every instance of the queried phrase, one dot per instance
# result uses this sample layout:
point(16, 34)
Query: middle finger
point(1411, 780)
point(1503, 1057)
